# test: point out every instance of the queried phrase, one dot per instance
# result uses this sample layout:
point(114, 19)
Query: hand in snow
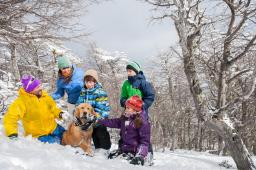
point(137, 160)
point(13, 136)
point(114, 154)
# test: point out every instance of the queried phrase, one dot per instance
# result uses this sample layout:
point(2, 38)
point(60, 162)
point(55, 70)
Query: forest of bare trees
point(216, 51)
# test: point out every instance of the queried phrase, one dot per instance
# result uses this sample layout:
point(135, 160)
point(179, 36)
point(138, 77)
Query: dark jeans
point(101, 137)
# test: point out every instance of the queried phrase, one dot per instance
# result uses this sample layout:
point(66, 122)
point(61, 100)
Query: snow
point(108, 56)
point(27, 153)
point(60, 49)
point(228, 122)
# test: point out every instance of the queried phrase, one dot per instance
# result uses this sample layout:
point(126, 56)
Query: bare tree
point(189, 22)
point(25, 22)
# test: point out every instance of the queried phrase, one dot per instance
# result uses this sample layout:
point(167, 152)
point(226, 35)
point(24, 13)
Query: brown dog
point(77, 137)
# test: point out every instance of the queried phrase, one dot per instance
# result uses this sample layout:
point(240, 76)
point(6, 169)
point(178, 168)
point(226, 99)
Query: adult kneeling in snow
point(37, 111)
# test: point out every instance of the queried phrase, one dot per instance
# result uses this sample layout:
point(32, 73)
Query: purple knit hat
point(29, 83)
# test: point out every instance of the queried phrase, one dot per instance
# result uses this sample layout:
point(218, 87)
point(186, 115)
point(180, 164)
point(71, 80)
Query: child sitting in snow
point(93, 93)
point(135, 131)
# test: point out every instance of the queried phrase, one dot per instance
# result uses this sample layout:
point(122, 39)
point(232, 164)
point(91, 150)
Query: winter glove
point(137, 160)
point(65, 116)
point(13, 136)
point(127, 156)
point(89, 123)
point(114, 154)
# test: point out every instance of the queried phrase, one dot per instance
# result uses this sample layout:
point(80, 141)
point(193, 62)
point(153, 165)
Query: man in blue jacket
point(70, 80)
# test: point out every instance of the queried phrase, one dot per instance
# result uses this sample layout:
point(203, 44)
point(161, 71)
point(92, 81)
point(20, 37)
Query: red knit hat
point(134, 102)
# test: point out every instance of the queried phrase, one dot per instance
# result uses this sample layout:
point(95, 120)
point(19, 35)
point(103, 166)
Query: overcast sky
point(123, 25)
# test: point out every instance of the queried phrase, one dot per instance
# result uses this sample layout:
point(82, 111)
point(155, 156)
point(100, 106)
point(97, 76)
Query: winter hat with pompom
point(29, 83)
point(63, 62)
point(134, 102)
point(134, 66)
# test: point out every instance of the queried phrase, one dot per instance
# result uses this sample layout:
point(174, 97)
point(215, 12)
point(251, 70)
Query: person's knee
point(50, 139)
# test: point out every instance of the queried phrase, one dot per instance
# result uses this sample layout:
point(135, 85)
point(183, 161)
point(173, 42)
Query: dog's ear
point(93, 112)
point(76, 112)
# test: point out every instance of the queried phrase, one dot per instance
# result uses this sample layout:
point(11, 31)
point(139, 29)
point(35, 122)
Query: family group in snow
point(37, 110)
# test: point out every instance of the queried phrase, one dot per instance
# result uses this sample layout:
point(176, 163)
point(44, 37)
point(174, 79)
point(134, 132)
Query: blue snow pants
point(55, 137)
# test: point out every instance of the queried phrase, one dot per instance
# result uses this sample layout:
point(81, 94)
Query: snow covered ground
point(30, 154)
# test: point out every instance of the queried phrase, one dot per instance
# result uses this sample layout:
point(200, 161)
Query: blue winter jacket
point(139, 82)
point(72, 88)
point(97, 98)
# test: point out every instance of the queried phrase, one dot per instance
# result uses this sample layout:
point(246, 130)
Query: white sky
point(124, 25)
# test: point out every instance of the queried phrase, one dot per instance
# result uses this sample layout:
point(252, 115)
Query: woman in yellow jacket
point(37, 111)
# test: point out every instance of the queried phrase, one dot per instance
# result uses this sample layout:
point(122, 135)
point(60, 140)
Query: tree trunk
point(164, 137)
point(40, 73)
point(14, 65)
point(173, 136)
point(220, 145)
point(54, 74)
point(200, 142)
point(254, 148)
point(188, 133)
point(234, 143)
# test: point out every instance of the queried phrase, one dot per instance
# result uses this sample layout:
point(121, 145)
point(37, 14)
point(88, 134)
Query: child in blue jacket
point(93, 94)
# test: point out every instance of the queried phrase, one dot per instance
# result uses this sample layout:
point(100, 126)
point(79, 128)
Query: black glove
point(128, 156)
point(13, 136)
point(85, 126)
point(114, 154)
point(137, 160)
point(89, 123)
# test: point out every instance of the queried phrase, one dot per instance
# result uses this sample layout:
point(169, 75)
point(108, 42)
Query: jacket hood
point(22, 92)
point(138, 77)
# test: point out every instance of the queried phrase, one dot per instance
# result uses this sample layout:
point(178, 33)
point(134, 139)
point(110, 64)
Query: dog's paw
point(89, 154)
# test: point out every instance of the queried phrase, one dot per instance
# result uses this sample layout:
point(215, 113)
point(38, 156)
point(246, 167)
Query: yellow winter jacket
point(37, 114)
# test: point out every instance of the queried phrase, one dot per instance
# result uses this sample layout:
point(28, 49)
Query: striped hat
point(63, 62)
point(134, 66)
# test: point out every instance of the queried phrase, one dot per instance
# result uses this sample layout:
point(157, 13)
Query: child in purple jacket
point(135, 130)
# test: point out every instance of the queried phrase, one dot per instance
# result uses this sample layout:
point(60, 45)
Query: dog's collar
point(78, 122)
